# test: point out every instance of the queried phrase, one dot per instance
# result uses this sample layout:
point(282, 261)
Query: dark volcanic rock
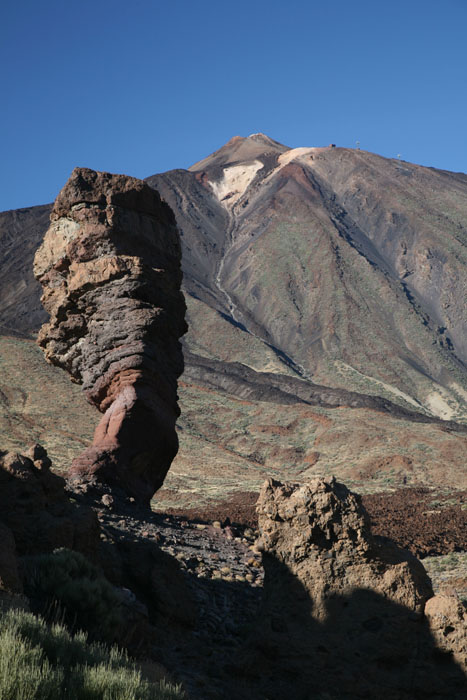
point(37, 510)
point(242, 381)
point(337, 599)
point(110, 270)
point(408, 517)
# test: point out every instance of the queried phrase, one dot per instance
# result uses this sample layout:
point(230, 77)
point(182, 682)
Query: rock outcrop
point(321, 533)
point(37, 510)
point(343, 611)
point(110, 271)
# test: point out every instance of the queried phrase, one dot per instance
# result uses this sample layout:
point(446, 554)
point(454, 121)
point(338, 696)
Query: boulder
point(447, 618)
point(110, 271)
point(321, 533)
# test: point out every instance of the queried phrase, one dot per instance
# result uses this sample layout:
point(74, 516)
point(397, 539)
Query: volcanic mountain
point(328, 278)
point(342, 267)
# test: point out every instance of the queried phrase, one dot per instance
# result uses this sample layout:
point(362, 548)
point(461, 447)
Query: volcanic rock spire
point(110, 271)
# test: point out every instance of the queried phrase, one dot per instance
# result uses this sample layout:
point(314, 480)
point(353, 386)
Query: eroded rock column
point(110, 271)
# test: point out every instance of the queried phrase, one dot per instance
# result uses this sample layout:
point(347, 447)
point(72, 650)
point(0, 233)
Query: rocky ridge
point(109, 267)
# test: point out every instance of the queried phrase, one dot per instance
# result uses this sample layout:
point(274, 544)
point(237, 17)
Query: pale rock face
point(109, 267)
point(294, 154)
point(234, 182)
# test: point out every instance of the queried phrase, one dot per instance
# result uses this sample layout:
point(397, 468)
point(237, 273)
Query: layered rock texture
point(109, 267)
point(337, 598)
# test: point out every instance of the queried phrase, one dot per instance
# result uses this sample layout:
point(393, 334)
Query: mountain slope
point(21, 233)
point(339, 266)
point(349, 267)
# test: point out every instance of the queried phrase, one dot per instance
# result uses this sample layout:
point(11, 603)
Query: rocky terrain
point(109, 267)
point(233, 599)
point(192, 595)
point(337, 597)
point(36, 511)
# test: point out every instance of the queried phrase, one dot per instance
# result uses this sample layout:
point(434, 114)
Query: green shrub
point(67, 585)
point(38, 662)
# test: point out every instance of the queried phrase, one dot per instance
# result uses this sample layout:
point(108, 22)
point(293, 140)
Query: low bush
point(38, 662)
point(66, 585)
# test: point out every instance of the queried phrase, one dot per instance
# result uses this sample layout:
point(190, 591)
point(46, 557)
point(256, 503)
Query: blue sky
point(151, 85)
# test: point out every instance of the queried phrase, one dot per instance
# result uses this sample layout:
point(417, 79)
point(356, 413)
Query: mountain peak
point(241, 149)
point(263, 138)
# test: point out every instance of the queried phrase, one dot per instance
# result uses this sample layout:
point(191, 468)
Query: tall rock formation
point(344, 611)
point(110, 271)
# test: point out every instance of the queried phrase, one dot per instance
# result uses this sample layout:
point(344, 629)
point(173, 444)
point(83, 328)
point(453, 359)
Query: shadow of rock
point(40, 513)
point(9, 576)
point(366, 647)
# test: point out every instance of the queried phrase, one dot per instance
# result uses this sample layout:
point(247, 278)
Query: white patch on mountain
point(235, 181)
point(294, 154)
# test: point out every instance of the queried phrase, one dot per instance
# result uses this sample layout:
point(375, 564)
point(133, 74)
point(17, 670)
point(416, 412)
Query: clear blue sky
point(145, 86)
